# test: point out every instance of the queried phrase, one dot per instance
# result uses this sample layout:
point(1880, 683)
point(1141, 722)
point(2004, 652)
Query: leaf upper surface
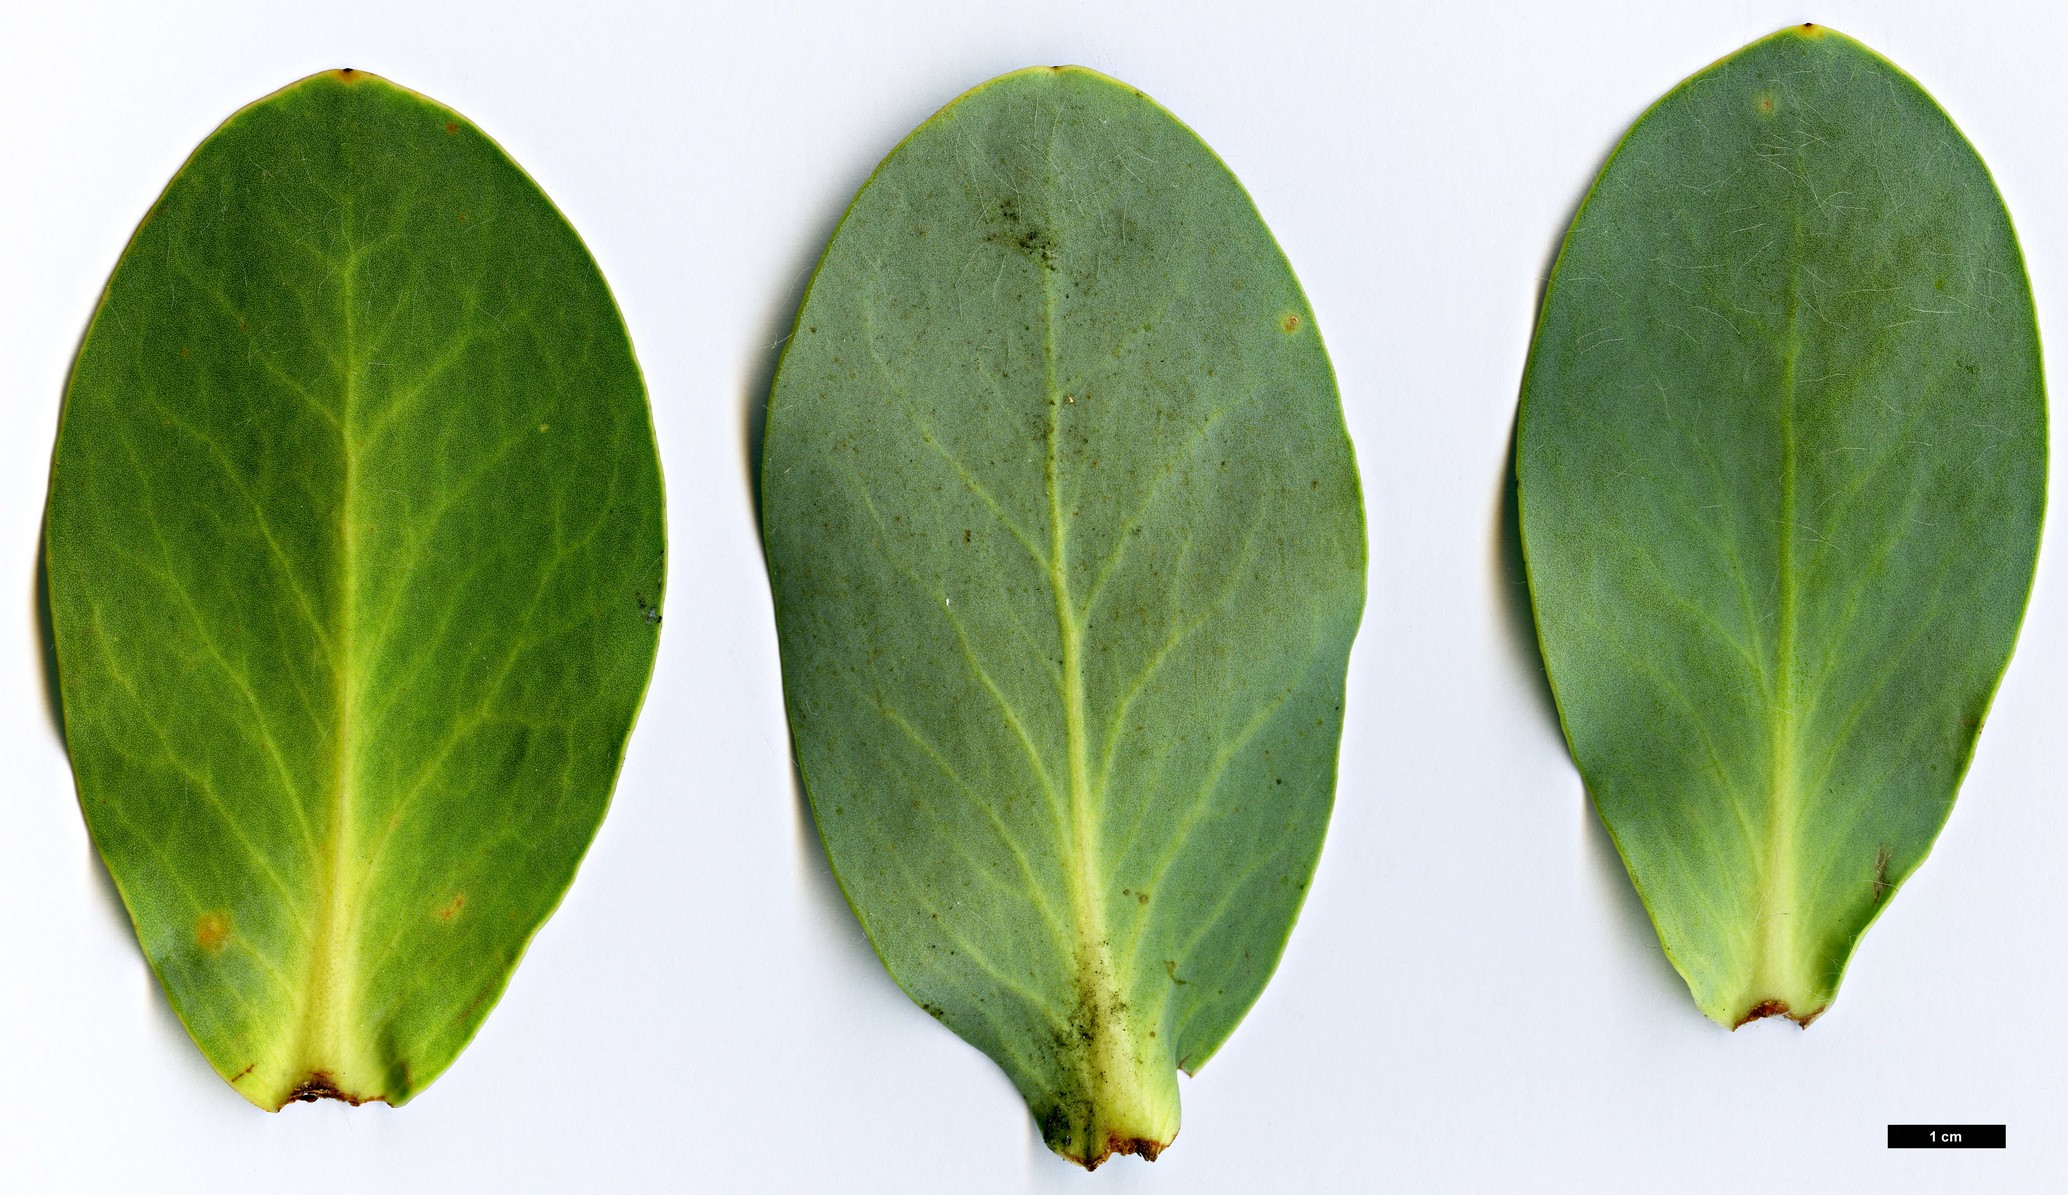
point(355, 551)
point(1068, 554)
point(1782, 466)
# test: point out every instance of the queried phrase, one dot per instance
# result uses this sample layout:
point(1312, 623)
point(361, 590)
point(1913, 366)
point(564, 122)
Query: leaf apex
point(351, 76)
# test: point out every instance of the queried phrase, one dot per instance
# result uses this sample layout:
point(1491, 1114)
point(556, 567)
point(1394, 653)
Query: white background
point(1473, 999)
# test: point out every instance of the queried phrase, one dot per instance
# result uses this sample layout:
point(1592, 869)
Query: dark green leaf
point(1068, 554)
point(1782, 463)
point(355, 562)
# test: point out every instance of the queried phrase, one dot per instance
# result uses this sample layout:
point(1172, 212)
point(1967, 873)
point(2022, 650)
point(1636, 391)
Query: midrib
point(1118, 1096)
point(332, 965)
point(1086, 872)
point(1775, 973)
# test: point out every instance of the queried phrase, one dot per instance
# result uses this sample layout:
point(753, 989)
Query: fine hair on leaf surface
point(355, 550)
point(1781, 468)
point(1067, 550)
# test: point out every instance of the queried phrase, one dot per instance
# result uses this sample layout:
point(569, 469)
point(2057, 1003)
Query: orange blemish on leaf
point(212, 932)
point(452, 907)
point(1290, 323)
point(451, 127)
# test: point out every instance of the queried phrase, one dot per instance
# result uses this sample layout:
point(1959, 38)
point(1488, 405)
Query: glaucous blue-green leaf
point(355, 552)
point(1781, 466)
point(1068, 553)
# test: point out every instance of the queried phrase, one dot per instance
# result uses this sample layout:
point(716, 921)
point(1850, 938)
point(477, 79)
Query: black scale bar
point(1945, 1136)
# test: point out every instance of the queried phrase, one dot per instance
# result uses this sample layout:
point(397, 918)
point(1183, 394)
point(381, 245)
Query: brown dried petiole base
point(1776, 1008)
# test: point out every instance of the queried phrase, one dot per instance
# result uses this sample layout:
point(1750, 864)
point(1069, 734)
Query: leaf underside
point(355, 553)
point(1782, 465)
point(1068, 553)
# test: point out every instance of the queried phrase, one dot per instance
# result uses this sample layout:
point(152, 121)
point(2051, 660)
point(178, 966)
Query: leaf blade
point(983, 482)
point(308, 518)
point(1788, 327)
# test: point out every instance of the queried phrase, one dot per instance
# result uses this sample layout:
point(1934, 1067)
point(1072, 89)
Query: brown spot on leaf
point(1290, 323)
point(212, 932)
point(451, 127)
point(452, 907)
point(246, 1071)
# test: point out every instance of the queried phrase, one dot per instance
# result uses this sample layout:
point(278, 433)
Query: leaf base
point(1777, 1008)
